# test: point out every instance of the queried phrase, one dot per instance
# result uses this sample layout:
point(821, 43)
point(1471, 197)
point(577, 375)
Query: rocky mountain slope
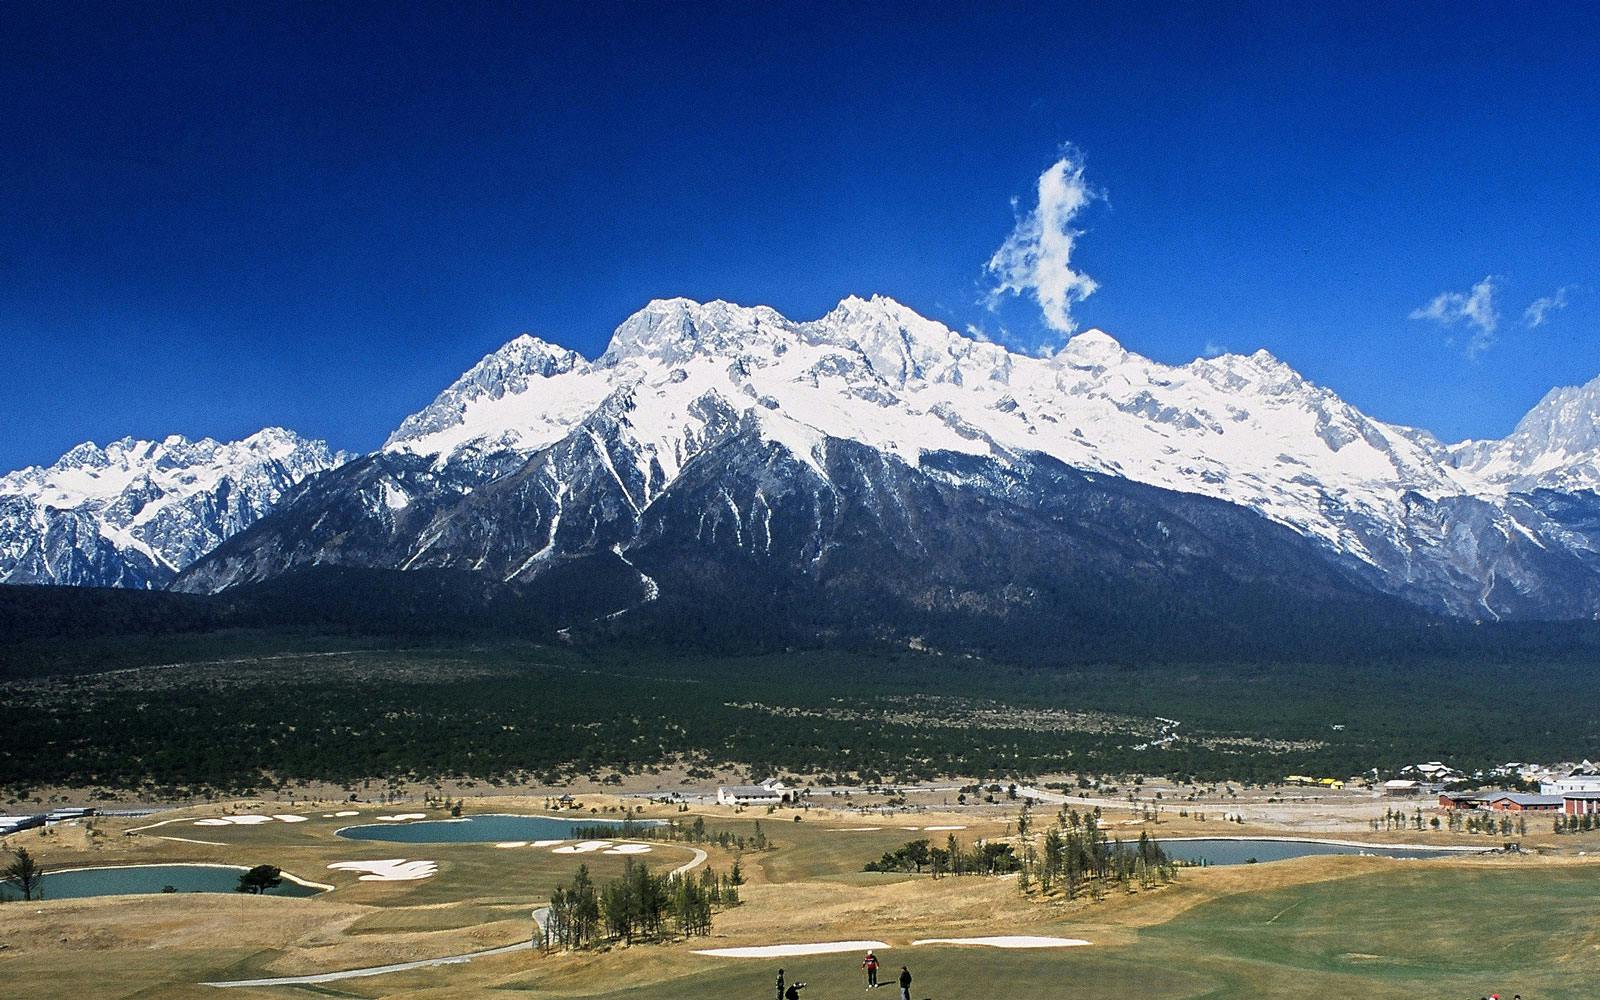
point(874, 459)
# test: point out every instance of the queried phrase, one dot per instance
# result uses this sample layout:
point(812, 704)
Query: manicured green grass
point(1420, 931)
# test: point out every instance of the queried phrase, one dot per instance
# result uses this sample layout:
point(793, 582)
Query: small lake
point(1240, 852)
point(489, 829)
point(123, 881)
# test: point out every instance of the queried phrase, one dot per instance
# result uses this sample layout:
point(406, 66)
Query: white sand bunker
point(348, 812)
point(629, 849)
point(789, 950)
point(933, 828)
point(393, 870)
point(856, 829)
point(402, 817)
point(584, 847)
point(1010, 941)
point(512, 843)
point(249, 820)
point(544, 843)
point(285, 818)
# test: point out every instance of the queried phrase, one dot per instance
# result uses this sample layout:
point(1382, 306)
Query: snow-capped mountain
point(823, 431)
point(134, 513)
point(1555, 446)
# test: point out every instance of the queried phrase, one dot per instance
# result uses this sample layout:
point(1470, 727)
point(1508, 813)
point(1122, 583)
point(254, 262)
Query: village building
point(1460, 800)
point(749, 795)
point(1402, 788)
point(1523, 802)
point(1581, 803)
point(1575, 783)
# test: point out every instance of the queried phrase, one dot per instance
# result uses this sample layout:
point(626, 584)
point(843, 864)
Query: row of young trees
point(636, 906)
point(1503, 825)
point(1577, 824)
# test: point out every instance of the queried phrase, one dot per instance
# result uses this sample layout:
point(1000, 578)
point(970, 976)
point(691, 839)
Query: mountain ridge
point(679, 377)
point(134, 513)
point(1488, 529)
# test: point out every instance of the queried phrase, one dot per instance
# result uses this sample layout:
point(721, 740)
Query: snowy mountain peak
point(901, 345)
point(1092, 348)
point(670, 331)
point(1567, 418)
point(135, 512)
point(507, 372)
point(1556, 445)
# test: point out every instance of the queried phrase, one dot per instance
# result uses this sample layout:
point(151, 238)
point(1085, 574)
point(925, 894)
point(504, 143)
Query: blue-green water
point(82, 882)
point(492, 828)
point(1239, 852)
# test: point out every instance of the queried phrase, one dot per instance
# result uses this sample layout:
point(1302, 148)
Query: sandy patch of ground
point(393, 870)
point(403, 817)
point(1009, 941)
point(584, 847)
point(791, 950)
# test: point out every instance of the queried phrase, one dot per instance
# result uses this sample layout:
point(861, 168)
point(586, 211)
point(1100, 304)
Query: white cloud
point(1475, 309)
point(1539, 309)
point(1214, 349)
point(1036, 259)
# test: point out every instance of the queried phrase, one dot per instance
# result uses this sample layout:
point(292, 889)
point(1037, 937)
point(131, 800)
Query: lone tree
point(25, 874)
point(259, 879)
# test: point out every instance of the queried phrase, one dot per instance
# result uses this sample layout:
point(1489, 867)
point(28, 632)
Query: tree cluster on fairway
point(636, 906)
point(676, 831)
point(1075, 855)
point(982, 857)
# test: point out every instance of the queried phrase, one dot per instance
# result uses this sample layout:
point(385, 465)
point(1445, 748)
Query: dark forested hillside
point(232, 718)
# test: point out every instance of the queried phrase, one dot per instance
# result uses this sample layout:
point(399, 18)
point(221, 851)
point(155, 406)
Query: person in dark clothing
point(780, 984)
point(793, 992)
point(905, 983)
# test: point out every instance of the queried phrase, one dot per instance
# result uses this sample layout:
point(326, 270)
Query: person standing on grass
point(905, 983)
point(870, 963)
point(780, 984)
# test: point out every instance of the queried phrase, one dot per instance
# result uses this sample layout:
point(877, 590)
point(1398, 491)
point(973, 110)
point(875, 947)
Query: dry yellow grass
point(809, 888)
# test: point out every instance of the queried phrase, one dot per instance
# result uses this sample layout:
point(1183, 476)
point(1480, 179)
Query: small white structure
point(1433, 770)
point(1402, 787)
point(748, 795)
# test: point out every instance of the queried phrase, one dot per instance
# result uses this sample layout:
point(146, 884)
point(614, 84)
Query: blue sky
point(214, 218)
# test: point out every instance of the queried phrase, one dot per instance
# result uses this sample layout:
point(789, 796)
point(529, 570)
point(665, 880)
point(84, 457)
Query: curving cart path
point(539, 916)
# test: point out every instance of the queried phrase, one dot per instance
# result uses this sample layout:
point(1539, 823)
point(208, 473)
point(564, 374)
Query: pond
point(1240, 852)
point(491, 828)
point(78, 883)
